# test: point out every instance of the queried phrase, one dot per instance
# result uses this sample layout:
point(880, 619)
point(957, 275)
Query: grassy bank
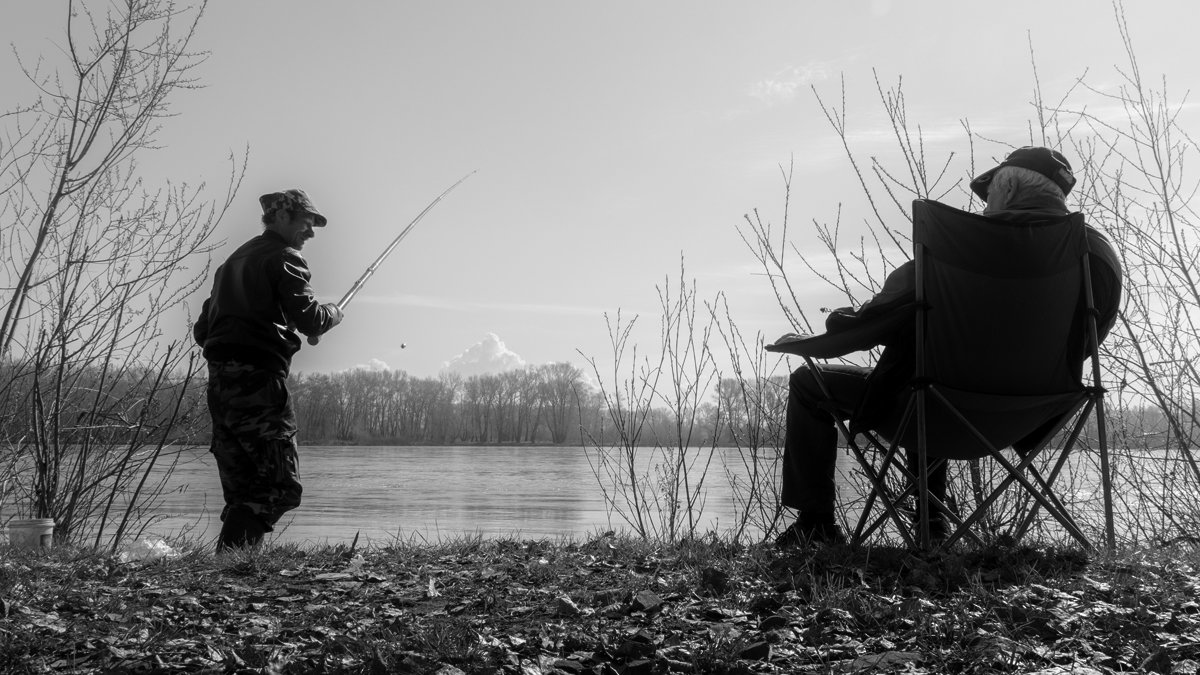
point(608, 605)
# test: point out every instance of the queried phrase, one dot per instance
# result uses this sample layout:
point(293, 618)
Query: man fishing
point(248, 330)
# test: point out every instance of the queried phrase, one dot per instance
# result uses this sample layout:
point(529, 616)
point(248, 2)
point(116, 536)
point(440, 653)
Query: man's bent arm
point(897, 295)
point(299, 302)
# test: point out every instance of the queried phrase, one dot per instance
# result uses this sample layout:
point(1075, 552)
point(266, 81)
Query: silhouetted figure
point(1029, 186)
point(248, 329)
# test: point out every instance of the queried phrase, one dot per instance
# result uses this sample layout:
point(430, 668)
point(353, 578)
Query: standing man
point(248, 329)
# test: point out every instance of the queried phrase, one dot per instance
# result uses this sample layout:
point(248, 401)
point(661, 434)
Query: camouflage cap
point(292, 200)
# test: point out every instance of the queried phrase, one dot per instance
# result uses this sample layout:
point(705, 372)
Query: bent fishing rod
point(358, 284)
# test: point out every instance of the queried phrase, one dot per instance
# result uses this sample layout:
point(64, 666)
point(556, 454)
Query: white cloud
point(374, 366)
point(786, 84)
point(489, 355)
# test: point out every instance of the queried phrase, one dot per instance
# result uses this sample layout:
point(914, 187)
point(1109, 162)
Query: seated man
point(1029, 185)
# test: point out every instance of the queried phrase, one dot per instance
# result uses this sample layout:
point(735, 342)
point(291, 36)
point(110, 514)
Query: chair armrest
point(823, 346)
point(859, 336)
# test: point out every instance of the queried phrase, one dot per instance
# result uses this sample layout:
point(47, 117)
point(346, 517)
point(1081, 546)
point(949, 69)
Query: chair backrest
point(999, 321)
point(1003, 300)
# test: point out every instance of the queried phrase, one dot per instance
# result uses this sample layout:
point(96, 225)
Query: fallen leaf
point(564, 606)
point(883, 660)
point(759, 651)
point(647, 601)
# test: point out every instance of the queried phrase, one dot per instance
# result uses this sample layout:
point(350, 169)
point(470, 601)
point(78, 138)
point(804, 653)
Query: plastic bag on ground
point(356, 565)
point(147, 549)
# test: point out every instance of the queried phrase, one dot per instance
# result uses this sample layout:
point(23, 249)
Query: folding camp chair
point(1004, 321)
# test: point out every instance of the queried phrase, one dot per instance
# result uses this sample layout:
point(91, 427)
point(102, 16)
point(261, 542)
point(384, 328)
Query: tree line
point(548, 404)
point(535, 404)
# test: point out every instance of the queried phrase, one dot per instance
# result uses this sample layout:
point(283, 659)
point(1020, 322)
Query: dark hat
point(292, 200)
point(1049, 163)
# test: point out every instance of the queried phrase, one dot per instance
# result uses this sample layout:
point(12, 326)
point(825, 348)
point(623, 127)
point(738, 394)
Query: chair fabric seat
point(1002, 419)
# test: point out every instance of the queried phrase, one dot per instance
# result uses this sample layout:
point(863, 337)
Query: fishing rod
point(362, 280)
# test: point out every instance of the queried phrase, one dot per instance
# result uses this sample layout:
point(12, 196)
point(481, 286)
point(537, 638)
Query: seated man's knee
point(802, 378)
point(805, 393)
point(803, 385)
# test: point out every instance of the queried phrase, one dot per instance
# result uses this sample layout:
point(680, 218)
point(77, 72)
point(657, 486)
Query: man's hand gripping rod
point(341, 304)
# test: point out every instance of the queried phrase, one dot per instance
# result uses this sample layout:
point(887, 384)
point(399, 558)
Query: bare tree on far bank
point(531, 405)
point(94, 388)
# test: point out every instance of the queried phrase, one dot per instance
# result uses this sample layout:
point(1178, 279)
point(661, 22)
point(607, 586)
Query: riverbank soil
point(604, 606)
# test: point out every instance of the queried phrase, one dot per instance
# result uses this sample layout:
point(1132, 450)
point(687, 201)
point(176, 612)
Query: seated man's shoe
point(938, 530)
point(807, 533)
point(939, 527)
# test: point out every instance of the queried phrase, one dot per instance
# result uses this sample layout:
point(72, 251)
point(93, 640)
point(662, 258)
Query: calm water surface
point(428, 492)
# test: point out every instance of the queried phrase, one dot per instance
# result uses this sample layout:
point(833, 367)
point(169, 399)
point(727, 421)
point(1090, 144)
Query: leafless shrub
point(94, 390)
point(754, 403)
point(658, 484)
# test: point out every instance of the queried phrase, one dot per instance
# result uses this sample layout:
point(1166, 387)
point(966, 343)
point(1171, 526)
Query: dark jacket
point(893, 312)
point(260, 298)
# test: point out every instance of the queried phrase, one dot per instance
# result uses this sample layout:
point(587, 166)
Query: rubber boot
point(242, 528)
point(254, 529)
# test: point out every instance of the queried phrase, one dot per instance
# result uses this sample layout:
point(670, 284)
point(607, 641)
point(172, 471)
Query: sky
point(612, 142)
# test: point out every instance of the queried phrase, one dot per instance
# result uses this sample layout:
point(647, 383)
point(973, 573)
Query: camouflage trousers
point(253, 440)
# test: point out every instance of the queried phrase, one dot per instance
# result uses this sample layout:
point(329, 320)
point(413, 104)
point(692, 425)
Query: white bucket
point(31, 533)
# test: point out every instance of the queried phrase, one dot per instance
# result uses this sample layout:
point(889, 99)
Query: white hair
point(1014, 185)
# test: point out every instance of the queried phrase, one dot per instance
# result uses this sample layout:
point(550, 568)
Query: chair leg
point(1017, 473)
point(869, 522)
point(879, 490)
point(1068, 446)
point(1014, 473)
point(1062, 513)
point(878, 480)
point(953, 534)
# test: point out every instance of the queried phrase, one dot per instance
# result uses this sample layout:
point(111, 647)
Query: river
point(429, 494)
